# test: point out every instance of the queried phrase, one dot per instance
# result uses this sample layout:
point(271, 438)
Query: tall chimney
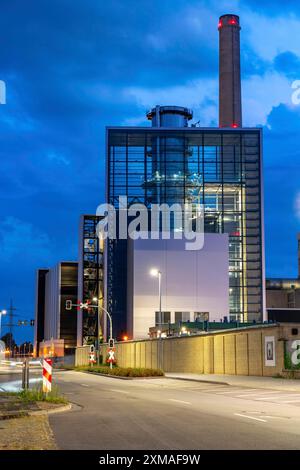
point(230, 104)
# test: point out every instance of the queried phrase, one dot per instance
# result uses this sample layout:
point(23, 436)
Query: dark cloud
point(282, 176)
point(288, 64)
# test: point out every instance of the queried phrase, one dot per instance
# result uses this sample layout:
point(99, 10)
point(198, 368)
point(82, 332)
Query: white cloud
point(195, 94)
point(58, 158)
point(261, 94)
point(270, 36)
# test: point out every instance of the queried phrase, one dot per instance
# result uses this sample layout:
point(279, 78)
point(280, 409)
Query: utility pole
point(10, 323)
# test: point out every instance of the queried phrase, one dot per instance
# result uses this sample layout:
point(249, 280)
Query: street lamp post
point(110, 326)
point(69, 306)
point(157, 273)
point(2, 312)
point(99, 307)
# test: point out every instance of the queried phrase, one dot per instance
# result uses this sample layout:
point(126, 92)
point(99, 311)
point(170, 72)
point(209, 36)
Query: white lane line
point(257, 394)
point(273, 417)
point(280, 397)
point(180, 401)
point(239, 391)
point(250, 417)
point(84, 385)
point(119, 391)
point(290, 401)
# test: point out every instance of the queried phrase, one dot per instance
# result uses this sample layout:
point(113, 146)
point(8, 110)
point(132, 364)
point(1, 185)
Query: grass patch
point(122, 371)
point(37, 394)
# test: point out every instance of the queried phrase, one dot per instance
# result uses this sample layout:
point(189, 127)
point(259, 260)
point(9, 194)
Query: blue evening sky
point(73, 67)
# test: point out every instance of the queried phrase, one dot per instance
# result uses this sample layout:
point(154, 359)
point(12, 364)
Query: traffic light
point(68, 304)
point(111, 343)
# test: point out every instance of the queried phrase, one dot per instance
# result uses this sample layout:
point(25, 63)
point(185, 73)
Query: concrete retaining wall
point(235, 352)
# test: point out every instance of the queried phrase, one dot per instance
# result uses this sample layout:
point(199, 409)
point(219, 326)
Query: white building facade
point(194, 284)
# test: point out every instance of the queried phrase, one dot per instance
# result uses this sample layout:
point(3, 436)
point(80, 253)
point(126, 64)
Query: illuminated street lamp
point(2, 312)
point(156, 273)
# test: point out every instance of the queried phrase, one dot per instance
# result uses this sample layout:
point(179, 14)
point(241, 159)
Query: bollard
point(47, 375)
point(25, 375)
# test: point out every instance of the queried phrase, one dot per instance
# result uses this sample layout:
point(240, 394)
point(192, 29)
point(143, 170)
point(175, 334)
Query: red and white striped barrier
point(47, 375)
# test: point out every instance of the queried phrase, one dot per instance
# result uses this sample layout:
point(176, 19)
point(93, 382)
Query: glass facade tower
point(219, 168)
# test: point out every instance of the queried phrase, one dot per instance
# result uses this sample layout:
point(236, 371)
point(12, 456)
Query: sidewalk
point(240, 381)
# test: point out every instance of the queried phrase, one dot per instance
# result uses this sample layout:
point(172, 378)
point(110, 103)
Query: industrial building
point(90, 280)
point(220, 168)
point(55, 327)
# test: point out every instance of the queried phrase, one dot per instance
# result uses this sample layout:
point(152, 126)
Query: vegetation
point(37, 394)
point(122, 371)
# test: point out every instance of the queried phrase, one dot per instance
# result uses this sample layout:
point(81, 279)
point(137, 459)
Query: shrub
point(123, 371)
point(37, 394)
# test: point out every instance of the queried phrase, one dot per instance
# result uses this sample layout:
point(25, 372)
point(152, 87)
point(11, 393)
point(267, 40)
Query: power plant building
point(219, 168)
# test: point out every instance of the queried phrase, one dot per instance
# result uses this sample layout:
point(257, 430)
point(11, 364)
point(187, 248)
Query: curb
point(22, 414)
point(60, 409)
point(215, 382)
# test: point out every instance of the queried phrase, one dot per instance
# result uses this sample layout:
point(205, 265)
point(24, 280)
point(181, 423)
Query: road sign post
point(111, 355)
point(86, 305)
point(92, 358)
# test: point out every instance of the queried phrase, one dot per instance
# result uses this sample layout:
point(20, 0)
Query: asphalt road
point(11, 377)
point(162, 413)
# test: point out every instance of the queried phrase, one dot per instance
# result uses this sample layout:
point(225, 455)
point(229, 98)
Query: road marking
point(119, 391)
point(256, 394)
point(238, 391)
point(290, 401)
point(280, 397)
point(274, 417)
point(251, 417)
point(180, 401)
point(84, 385)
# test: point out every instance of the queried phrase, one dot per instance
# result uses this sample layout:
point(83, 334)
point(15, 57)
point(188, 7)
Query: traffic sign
point(92, 358)
point(111, 356)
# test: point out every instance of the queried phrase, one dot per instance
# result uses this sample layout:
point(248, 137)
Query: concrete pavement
point(173, 414)
point(241, 381)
